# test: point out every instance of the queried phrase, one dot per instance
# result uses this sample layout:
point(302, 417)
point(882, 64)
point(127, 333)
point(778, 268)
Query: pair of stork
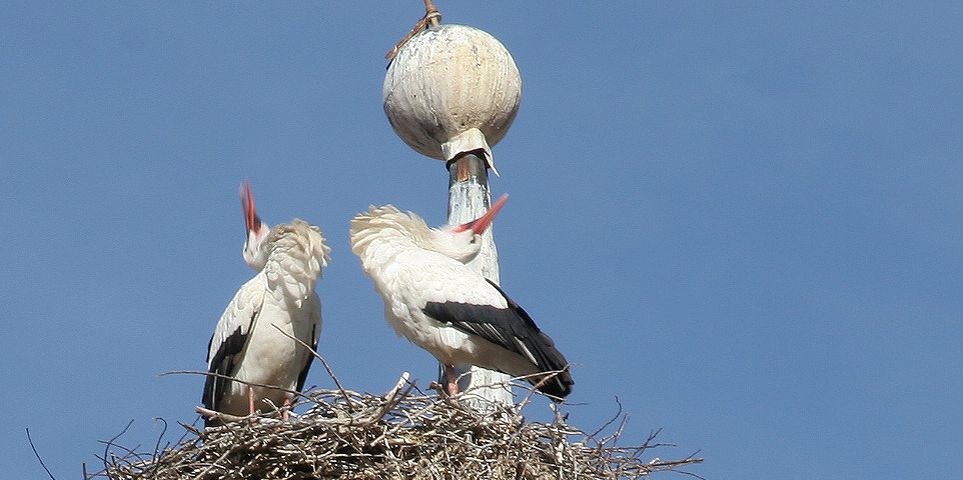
point(431, 297)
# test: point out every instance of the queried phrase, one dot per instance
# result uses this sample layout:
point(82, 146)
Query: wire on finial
point(432, 14)
point(432, 17)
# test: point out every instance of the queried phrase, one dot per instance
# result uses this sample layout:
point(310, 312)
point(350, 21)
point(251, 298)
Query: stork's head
point(463, 242)
point(254, 252)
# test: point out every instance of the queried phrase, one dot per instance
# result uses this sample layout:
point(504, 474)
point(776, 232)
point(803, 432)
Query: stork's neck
point(297, 253)
point(383, 232)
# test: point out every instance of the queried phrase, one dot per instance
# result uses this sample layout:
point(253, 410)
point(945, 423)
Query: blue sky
point(744, 220)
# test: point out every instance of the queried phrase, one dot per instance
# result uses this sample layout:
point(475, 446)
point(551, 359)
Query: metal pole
point(468, 199)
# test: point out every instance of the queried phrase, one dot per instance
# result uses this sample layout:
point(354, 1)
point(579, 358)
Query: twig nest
point(452, 89)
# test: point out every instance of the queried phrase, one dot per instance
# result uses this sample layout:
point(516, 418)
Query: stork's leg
point(451, 380)
point(285, 407)
point(250, 399)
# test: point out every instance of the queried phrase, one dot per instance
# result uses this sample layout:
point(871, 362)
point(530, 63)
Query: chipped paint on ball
point(452, 89)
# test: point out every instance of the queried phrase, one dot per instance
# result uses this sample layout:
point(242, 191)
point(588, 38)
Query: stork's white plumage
point(437, 302)
point(246, 345)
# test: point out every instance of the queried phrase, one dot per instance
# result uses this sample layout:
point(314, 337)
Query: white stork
point(246, 345)
point(442, 305)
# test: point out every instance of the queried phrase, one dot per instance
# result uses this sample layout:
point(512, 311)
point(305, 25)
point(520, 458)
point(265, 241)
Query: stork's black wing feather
point(513, 329)
point(223, 363)
point(303, 376)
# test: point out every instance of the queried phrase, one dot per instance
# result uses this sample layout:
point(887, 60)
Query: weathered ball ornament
point(452, 89)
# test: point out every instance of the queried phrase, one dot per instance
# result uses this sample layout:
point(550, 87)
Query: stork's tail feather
point(547, 357)
point(556, 385)
point(558, 382)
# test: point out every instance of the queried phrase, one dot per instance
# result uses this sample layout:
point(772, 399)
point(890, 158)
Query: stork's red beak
point(481, 223)
point(251, 220)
